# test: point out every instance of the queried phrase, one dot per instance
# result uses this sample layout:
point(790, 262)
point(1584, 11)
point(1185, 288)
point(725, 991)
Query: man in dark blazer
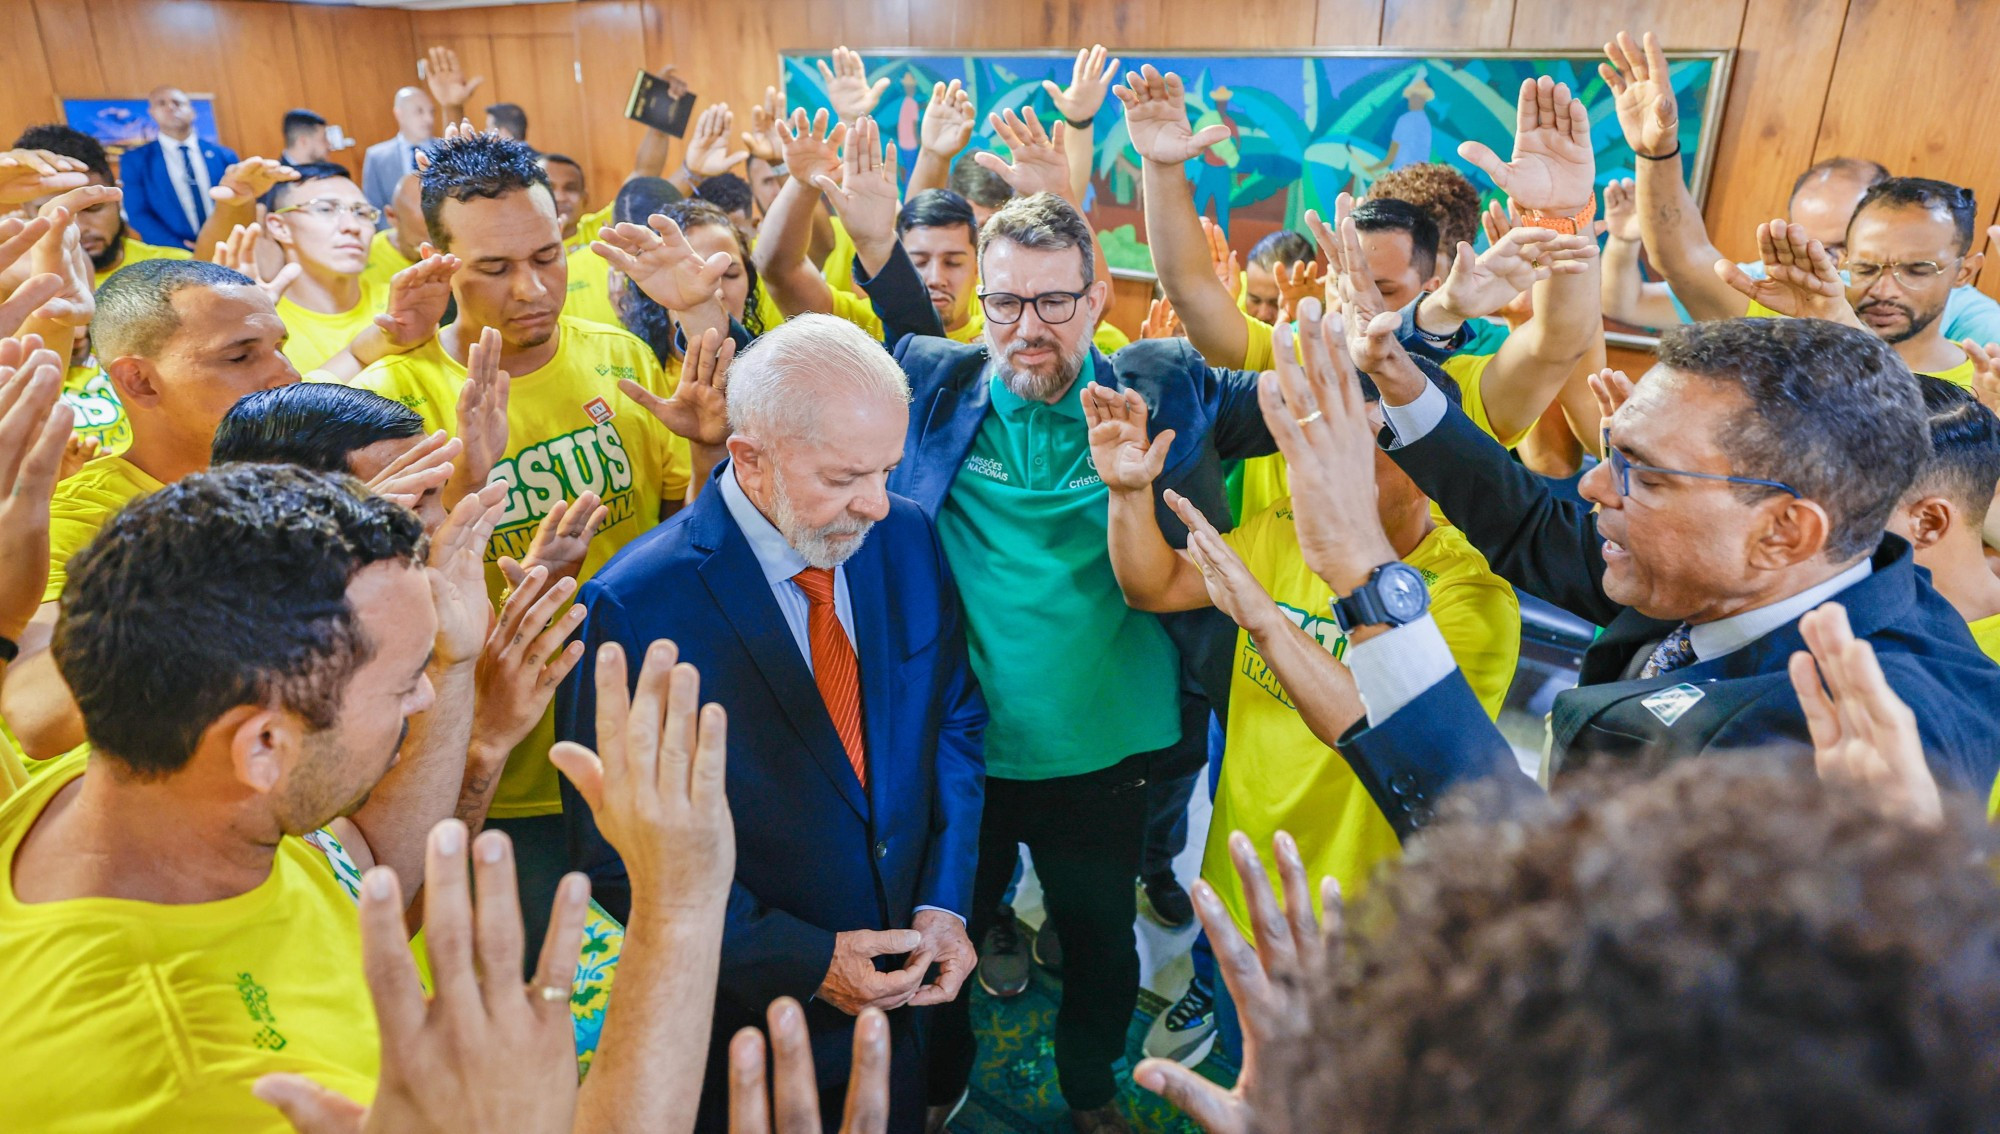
point(821, 614)
point(167, 180)
point(1747, 481)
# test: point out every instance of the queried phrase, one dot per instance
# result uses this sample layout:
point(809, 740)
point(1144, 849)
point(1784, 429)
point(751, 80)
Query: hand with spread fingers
point(1482, 285)
point(523, 660)
point(1643, 91)
point(1156, 118)
point(1863, 735)
point(26, 175)
point(1228, 265)
point(1801, 278)
point(484, 1053)
point(34, 427)
point(239, 251)
point(1089, 84)
point(1554, 169)
point(562, 540)
point(948, 120)
point(699, 409)
point(1231, 587)
point(657, 257)
point(852, 96)
point(1119, 449)
point(866, 193)
point(1161, 322)
point(246, 182)
point(762, 139)
point(446, 79)
point(420, 469)
point(790, 1091)
point(419, 295)
point(1268, 983)
point(1038, 165)
point(481, 418)
point(1297, 280)
point(708, 152)
point(812, 145)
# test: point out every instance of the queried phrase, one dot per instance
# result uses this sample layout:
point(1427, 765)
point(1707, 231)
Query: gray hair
point(1043, 221)
point(777, 385)
point(135, 305)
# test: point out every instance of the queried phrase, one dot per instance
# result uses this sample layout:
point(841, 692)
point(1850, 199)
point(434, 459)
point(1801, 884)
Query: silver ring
point(1309, 418)
point(549, 993)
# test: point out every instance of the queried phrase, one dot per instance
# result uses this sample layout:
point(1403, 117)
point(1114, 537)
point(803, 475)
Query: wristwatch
point(1394, 595)
point(1567, 225)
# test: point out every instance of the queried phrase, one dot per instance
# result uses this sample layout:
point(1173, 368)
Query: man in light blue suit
point(385, 163)
point(167, 180)
point(822, 615)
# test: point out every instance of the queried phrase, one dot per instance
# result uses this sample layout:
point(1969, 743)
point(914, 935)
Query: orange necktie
point(835, 670)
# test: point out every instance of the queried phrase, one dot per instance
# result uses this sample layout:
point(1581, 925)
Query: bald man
point(167, 180)
point(397, 245)
point(387, 162)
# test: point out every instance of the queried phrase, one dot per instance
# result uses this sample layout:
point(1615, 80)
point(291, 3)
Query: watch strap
point(1566, 225)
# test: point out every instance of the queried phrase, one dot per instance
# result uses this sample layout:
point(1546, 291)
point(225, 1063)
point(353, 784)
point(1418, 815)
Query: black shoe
point(1003, 958)
point(1166, 902)
point(1048, 947)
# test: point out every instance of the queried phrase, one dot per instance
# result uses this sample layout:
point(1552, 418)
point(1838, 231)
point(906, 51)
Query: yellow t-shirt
point(589, 288)
point(314, 337)
point(839, 266)
point(384, 261)
point(589, 225)
point(137, 250)
point(83, 504)
point(1276, 775)
point(88, 391)
point(568, 430)
point(160, 1017)
point(1960, 375)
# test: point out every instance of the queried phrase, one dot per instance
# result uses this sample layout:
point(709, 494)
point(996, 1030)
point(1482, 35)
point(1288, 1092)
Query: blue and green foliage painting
point(1303, 128)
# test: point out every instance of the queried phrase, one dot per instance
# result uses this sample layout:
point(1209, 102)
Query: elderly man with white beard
point(822, 615)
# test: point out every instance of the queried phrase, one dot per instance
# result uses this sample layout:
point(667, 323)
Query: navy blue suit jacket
point(150, 202)
point(815, 854)
point(1550, 548)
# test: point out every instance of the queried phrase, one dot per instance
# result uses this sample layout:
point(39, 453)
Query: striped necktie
point(835, 669)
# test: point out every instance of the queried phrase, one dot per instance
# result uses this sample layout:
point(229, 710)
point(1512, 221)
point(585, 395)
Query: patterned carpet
point(1014, 1083)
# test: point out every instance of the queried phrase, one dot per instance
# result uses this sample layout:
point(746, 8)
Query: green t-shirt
point(1075, 680)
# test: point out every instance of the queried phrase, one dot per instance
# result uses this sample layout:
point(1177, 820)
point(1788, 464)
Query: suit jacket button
point(882, 850)
point(1403, 783)
point(1421, 816)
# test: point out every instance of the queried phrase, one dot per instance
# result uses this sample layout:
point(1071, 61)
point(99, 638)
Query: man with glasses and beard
point(821, 613)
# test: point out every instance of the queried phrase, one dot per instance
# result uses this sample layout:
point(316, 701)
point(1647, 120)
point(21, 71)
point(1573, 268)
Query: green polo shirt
point(1074, 679)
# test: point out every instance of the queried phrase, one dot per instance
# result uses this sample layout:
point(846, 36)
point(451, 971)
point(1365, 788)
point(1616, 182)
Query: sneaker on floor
point(1048, 948)
point(1103, 1120)
point(1003, 958)
point(1165, 902)
point(1185, 1032)
point(936, 1118)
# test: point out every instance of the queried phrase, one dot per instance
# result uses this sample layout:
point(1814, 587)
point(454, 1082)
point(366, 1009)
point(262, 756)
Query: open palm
point(1554, 169)
point(1156, 118)
point(1643, 93)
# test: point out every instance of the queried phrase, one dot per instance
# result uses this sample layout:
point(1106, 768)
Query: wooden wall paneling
point(27, 98)
point(1770, 121)
point(1679, 24)
point(937, 24)
point(1113, 25)
point(262, 75)
point(611, 42)
point(1989, 276)
point(1348, 23)
point(376, 53)
point(142, 44)
point(1130, 301)
point(70, 46)
point(314, 36)
point(1447, 23)
point(1267, 24)
point(876, 23)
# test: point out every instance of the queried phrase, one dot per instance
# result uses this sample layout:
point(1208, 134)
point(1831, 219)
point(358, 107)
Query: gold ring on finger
point(550, 993)
point(1310, 418)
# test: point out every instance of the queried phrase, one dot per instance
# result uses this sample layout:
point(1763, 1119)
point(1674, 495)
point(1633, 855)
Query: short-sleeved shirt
point(569, 430)
point(1075, 679)
point(314, 337)
point(131, 1015)
point(137, 250)
point(384, 261)
point(1960, 375)
point(83, 504)
point(589, 288)
point(1968, 314)
point(1276, 775)
point(88, 392)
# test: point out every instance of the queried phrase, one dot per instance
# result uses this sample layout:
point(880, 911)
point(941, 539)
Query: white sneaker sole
point(1195, 1054)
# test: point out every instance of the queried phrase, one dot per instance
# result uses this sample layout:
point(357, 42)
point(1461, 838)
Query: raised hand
point(523, 660)
point(1231, 587)
point(1611, 388)
point(485, 1053)
point(699, 409)
point(793, 1087)
point(1360, 298)
point(246, 182)
point(238, 250)
point(847, 86)
point(763, 139)
point(1800, 278)
point(1124, 457)
point(1482, 285)
point(866, 194)
point(562, 540)
point(658, 258)
point(1039, 164)
point(1621, 210)
point(481, 418)
point(1643, 91)
point(457, 570)
point(655, 783)
point(1863, 735)
point(1296, 281)
point(60, 253)
point(1161, 322)
point(708, 152)
point(810, 147)
point(1268, 983)
point(1985, 372)
point(446, 79)
point(1156, 118)
point(419, 295)
point(28, 174)
point(1554, 168)
point(948, 120)
point(1089, 82)
point(1228, 266)
point(422, 468)
point(1321, 424)
point(78, 451)
point(34, 426)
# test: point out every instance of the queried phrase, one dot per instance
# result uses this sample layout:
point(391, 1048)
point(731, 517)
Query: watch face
point(1401, 589)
